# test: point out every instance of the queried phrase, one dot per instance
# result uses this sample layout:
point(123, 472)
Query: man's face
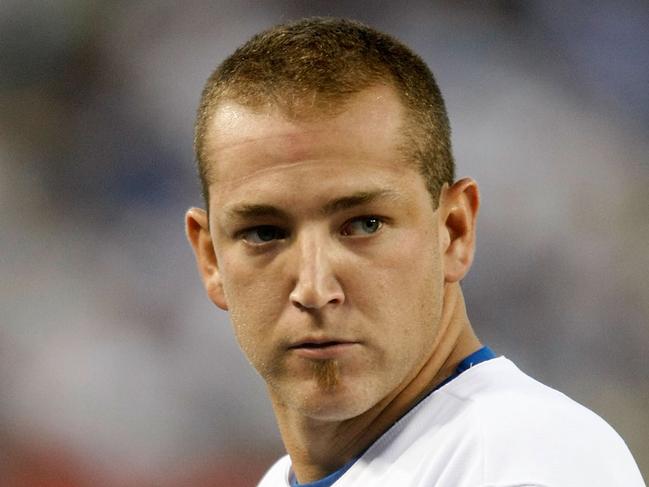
point(328, 253)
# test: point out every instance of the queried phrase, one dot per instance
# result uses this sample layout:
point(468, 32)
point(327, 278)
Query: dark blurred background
point(115, 369)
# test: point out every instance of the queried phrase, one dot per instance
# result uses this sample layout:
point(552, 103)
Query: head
point(322, 240)
point(313, 67)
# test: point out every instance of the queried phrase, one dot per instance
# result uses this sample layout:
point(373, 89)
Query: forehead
point(257, 154)
point(370, 117)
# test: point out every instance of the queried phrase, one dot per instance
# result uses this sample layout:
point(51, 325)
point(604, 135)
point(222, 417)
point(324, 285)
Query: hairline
point(408, 145)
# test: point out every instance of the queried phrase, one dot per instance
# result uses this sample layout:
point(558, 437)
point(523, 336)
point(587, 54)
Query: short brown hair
point(325, 61)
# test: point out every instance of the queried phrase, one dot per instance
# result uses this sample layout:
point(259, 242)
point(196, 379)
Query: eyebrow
point(251, 211)
point(357, 199)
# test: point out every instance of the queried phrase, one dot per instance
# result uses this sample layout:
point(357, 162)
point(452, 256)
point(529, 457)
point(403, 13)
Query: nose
point(316, 284)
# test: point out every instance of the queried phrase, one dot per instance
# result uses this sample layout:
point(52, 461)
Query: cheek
point(249, 288)
point(253, 331)
point(406, 288)
point(254, 302)
point(411, 265)
point(411, 304)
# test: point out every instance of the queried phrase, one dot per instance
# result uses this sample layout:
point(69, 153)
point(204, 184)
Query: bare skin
point(319, 448)
point(340, 275)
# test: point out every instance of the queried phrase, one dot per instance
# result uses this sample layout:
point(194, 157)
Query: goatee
point(327, 373)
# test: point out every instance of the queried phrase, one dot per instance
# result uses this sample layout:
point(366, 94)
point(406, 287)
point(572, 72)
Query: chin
point(339, 403)
point(326, 393)
point(332, 408)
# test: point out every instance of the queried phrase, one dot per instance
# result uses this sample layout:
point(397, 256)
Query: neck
point(318, 448)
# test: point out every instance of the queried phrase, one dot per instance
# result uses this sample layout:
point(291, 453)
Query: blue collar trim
point(479, 356)
point(329, 479)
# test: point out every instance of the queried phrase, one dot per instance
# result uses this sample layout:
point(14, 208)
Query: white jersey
point(492, 426)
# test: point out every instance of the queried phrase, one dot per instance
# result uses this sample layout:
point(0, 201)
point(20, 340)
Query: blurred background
point(116, 370)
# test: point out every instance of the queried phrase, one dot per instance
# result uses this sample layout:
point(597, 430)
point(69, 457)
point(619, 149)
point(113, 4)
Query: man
point(336, 237)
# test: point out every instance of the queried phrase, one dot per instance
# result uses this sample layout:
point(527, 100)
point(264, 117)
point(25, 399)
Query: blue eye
point(365, 225)
point(263, 234)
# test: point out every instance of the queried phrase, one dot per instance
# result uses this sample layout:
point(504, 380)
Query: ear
point(458, 208)
point(198, 234)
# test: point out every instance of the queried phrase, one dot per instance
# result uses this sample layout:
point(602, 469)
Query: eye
point(262, 234)
point(365, 225)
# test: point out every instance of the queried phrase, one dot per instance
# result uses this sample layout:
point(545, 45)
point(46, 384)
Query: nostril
point(307, 298)
point(299, 306)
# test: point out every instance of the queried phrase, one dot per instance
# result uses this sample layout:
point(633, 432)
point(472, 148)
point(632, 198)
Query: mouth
point(322, 349)
point(330, 343)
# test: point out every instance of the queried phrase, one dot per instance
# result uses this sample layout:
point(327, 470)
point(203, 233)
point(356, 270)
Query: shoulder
point(527, 428)
point(278, 474)
point(510, 405)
